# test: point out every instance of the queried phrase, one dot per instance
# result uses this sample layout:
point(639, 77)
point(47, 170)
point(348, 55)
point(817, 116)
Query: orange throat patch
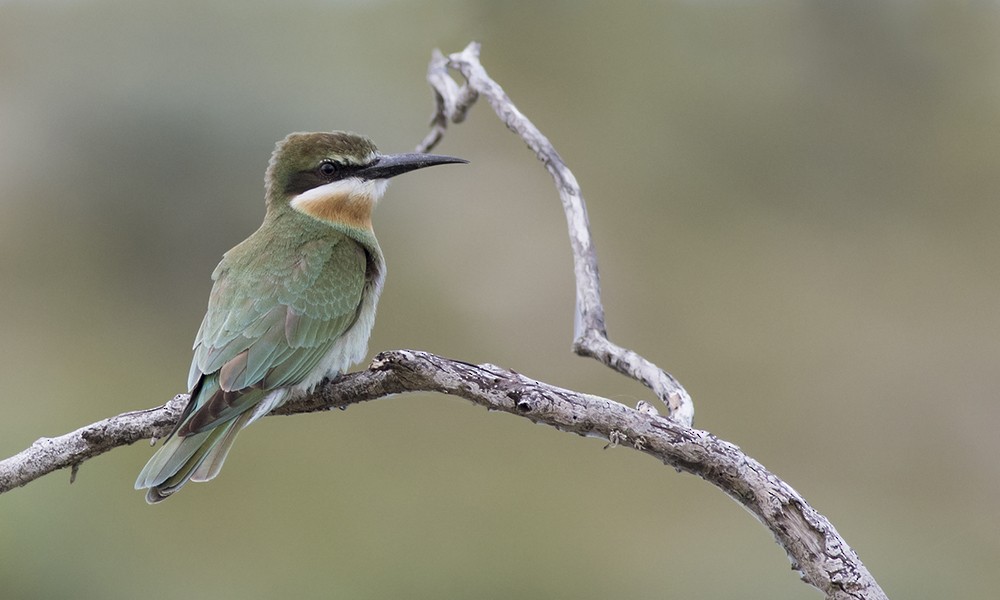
point(348, 201)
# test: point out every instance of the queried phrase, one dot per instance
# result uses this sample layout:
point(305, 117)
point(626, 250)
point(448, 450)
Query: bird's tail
point(196, 457)
point(205, 433)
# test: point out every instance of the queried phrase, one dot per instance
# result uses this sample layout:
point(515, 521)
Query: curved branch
point(814, 547)
point(590, 333)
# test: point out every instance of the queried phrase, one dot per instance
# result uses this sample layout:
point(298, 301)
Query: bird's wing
point(272, 316)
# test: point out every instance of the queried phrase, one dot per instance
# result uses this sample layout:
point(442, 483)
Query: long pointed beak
point(390, 165)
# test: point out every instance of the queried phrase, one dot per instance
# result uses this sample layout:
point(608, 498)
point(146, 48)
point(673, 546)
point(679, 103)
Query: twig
point(452, 102)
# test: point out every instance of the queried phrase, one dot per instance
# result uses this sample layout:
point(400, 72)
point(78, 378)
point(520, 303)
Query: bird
point(291, 305)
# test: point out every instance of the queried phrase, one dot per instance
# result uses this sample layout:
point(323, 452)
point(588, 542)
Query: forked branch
point(814, 547)
point(590, 334)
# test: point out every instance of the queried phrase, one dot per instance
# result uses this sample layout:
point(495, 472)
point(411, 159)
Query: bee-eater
point(292, 304)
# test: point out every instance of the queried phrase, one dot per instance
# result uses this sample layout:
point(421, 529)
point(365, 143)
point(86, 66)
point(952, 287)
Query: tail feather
point(176, 462)
point(212, 462)
point(199, 455)
point(169, 459)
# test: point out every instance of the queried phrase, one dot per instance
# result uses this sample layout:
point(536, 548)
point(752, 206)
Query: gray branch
point(591, 337)
point(813, 545)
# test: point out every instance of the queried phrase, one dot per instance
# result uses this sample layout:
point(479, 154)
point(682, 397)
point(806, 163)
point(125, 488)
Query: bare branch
point(72, 449)
point(814, 547)
point(452, 102)
point(591, 337)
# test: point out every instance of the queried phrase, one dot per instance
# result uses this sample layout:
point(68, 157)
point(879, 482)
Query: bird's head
point(336, 176)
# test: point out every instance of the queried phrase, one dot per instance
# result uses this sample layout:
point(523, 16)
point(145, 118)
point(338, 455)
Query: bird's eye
point(328, 168)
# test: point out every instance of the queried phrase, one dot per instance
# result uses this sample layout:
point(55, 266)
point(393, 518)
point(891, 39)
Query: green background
point(795, 209)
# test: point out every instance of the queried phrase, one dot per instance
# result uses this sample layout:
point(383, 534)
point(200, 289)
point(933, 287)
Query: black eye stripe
point(303, 181)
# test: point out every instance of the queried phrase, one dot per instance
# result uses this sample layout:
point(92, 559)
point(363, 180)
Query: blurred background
point(795, 210)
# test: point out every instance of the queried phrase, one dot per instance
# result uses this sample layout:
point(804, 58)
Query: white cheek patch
point(348, 189)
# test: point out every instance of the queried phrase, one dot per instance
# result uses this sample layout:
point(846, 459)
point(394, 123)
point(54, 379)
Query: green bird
point(292, 304)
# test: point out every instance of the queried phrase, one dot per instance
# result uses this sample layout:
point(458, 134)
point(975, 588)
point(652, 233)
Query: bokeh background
point(795, 208)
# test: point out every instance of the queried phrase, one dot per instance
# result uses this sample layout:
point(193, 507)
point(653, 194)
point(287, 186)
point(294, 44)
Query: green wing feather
point(276, 309)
